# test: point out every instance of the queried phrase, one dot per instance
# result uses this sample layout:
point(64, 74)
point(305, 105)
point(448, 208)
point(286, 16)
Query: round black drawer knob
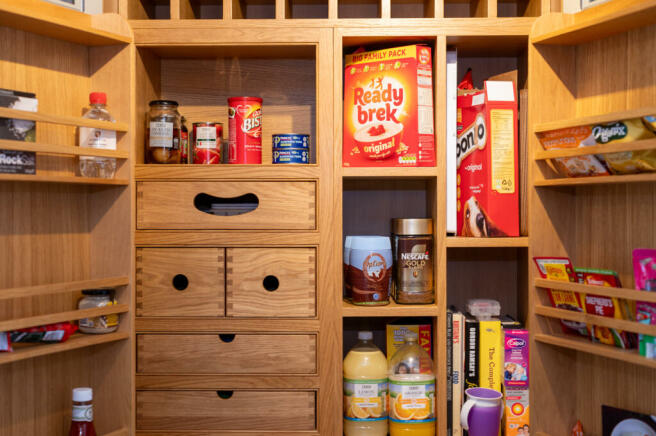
point(180, 282)
point(271, 283)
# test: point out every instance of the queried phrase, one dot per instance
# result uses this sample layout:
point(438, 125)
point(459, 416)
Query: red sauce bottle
point(82, 421)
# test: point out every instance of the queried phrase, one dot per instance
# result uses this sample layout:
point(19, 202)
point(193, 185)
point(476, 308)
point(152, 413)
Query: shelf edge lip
point(65, 150)
point(644, 144)
point(465, 242)
point(627, 293)
point(594, 119)
point(621, 324)
point(596, 180)
point(51, 318)
point(62, 287)
point(62, 119)
point(36, 178)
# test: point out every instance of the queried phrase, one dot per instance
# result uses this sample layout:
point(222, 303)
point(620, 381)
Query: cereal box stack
point(388, 108)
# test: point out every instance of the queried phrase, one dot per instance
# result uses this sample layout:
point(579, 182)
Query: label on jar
point(101, 322)
point(370, 276)
point(414, 264)
point(161, 134)
point(82, 413)
point(412, 400)
point(97, 138)
point(205, 137)
point(365, 400)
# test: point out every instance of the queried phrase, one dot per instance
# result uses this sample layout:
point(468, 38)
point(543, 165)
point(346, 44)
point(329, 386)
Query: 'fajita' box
point(397, 330)
point(388, 108)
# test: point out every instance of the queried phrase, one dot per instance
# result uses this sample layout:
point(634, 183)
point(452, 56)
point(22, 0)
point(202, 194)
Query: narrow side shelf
point(70, 150)
point(389, 173)
point(78, 340)
point(596, 119)
point(586, 318)
point(61, 288)
point(62, 179)
point(600, 180)
point(463, 242)
point(51, 318)
point(392, 309)
point(646, 144)
point(586, 346)
point(64, 120)
point(627, 293)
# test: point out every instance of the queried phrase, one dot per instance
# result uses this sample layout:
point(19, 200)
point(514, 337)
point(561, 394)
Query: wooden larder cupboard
point(235, 325)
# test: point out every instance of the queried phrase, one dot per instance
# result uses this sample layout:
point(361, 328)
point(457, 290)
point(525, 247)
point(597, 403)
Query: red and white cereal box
point(487, 191)
point(388, 108)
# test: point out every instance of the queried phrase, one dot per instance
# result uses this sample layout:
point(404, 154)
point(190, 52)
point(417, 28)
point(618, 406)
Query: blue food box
point(291, 156)
point(291, 140)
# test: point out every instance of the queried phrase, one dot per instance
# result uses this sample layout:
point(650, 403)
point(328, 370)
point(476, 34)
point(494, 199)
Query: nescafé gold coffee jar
point(413, 260)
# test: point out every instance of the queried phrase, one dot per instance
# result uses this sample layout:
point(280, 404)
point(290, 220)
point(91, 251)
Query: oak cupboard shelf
point(225, 171)
point(620, 324)
point(464, 242)
point(595, 23)
point(51, 318)
point(392, 309)
point(646, 144)
point(586, 346)
point(60, 119)
point(121, 432)
point(389, 173)
point(595, 119)
point(61, 288)
point(627, 293)
point(598, 180)
point(70, 150)
point(62, 179)
point(58, 22)
point(78, 340)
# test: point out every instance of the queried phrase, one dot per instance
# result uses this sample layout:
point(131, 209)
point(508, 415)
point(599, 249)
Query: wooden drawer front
point(281, 205)
point(227, 354)
point(237, 410)
point(198, 272)
point(251, 270)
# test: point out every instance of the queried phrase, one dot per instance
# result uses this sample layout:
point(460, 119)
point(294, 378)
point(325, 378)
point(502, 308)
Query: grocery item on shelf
point(206, 142)
point(413, 260)
point(245, 130)
point(17, 162)
point(291, 140)
point(577, 430)
point(370, 269)
point(486, 159)
point(184, 142)
point(517, 412)
point(51, 333)
point(82, 416)
point(291, 148)
point(411, 390)
point(91, 137)
point(163, 139)
point(388, 108)
point(516, 359)
point(15, 129)
point(644, 273)
point(396, 331)
point(347, 254)
point(481, 414)
point(98, 298)
point(365, 389)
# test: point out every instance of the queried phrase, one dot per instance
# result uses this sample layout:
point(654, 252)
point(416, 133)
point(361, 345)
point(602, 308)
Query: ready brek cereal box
point(388, 108)
point(486, 161)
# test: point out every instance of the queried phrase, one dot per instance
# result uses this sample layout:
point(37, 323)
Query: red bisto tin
point(245, 130)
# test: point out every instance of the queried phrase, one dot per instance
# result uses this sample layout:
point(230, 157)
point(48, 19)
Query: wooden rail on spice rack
point(392, 309)
point(64, 120)
point(646, 144)
point(627, 293)
point(586, 318)
point(463, 242)
point(596, 119)
point(62, 179)
point(51, 318)
point(71, 150)
point(63, 287)
point(587, 346)
point(596, 180)
point(79, 340)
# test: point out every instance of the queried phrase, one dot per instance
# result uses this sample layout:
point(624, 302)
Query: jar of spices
point(413, 259)
point(94, 298)
point(370, 270)
point(163, 142)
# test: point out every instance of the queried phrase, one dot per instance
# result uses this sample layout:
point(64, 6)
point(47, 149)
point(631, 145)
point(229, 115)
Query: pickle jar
point(413, 260)
point(163, 141)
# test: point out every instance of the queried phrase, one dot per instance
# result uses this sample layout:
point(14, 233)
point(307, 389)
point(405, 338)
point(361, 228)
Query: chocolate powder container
point(413, 260)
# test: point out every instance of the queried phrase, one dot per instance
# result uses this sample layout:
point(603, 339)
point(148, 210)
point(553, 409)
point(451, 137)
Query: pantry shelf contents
point(71, 150)
point(645, 144)
point(586, 318)
point(627, 293)
point(19, 323)
point(62, 287)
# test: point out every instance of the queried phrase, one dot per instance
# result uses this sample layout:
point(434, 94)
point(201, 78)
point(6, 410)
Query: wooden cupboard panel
point(243, 410)
point(180, 282)
point(227, 354)
point(289, 273)
point(281, 205)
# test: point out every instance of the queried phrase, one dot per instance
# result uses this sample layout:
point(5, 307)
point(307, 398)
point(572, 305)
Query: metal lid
point(102, 291)
point(163, 103)
point(412, 226)
point(251, 98)
point(207, 123)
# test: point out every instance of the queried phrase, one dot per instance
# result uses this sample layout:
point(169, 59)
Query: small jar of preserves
point(95, 298)
point(163, 142)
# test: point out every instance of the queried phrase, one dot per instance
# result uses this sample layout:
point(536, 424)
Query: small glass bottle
point(184, 142)
point(163, 143)
point(94, 166)
point(82, 419)
point(94, 298)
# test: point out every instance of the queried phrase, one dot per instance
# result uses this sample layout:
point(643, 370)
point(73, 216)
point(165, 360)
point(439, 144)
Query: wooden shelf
point(595, 23)
point(596, 119)
point(78, 340)
point(62, 23)
point(64, 120)
point(597, 180)
point(389, 173)
point(462, 242)
point(70, 150)
point(586, 318)
point(392, 309)
point(225, 171)
point(62, 179)
point(646, 144)
point(51, 318)
point(62, 288)
point(120, 432)
point(627, 293)
point(586, 346)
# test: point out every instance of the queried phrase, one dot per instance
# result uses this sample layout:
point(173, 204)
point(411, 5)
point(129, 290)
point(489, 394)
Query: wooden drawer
point(180, 282)
point(227, 354)
point(177, 205)
point(271, 282)
point(226, 410)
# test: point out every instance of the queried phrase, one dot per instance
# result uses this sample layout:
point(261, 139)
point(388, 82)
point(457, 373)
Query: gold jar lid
point(412, 226)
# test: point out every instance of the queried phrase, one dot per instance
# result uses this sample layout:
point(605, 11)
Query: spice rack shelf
point(620, 324)
point(599, 180)
point(595, 119)
point(76, 341)
point(392, 309)
point(21, 323)
point(69, 150)
point(65, 24)
point(595, 23)
point(627, 293)
point(208, 172)
point(62, 179)
point(647, 144)
point(63, 120)
point(389, 173)
point(61, 288)
point(586, 346)
point(463, 242)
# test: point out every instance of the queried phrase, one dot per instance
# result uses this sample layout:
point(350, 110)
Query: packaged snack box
point(388, 108)
point(397, 330)
point(515, 365)
point(517, 413)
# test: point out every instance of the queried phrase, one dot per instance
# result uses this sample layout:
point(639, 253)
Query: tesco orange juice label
point(411, 401)
point(365, 400)
point(388, 108)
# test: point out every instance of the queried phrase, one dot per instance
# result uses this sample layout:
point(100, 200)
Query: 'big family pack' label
point(388, 108)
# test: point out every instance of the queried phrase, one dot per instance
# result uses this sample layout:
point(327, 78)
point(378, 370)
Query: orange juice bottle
point(411, 391)
point(365, 389)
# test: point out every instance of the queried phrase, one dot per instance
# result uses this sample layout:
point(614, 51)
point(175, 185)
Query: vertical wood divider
point(385, 8)
point(491, 8)
point(332, 9)
point(174, 6)
point(435, 9)
point(185, 10)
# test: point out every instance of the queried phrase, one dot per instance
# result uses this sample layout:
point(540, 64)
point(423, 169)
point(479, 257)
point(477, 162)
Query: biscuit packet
point(560, 268)
point(644, 274)
point(631, 161)
point(574, 137)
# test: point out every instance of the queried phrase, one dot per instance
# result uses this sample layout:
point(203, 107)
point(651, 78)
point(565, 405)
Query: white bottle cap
point(371, 243)
point(81, 395)
point(365, 335)
point(347, 248)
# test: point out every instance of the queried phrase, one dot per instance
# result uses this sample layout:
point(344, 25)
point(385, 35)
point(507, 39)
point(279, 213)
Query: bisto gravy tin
point(245, 130)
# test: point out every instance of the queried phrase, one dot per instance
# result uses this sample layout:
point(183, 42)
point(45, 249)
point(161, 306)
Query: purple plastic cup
point(481, 413)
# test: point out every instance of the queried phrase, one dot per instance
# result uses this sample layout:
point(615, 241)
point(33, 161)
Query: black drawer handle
point(180, 282)
point(226, 206)
point(271, 283)
point(224, 394)
point(226, 337)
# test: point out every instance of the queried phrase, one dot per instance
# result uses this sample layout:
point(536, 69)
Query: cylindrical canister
point(413, 260)
point(370, 269)
point(291, 156)
point(291, 140)
point(206, 142)
point(245, 130)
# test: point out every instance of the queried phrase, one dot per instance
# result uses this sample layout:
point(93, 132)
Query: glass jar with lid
point(94, 298)
point(413, 261)
point(163, 141)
